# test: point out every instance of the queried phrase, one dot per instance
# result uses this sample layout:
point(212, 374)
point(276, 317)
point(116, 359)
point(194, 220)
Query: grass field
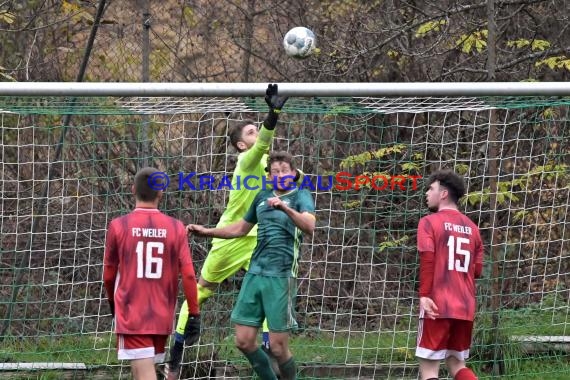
point(384, 354)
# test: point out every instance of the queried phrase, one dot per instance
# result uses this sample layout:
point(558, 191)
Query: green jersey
point(278, 238)
point(250, 163)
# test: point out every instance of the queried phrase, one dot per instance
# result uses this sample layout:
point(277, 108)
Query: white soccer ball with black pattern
point(299, 42)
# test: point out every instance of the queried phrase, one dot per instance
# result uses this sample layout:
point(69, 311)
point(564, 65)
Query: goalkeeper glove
point(192, 330)
point(275, 103)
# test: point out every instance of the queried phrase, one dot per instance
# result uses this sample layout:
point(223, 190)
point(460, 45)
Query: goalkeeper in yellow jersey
point(227, 257)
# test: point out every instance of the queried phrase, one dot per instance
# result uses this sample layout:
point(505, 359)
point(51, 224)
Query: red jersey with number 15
point(149, 249)
point(456, 243)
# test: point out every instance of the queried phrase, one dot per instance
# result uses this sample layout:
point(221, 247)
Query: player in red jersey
point(145, 251)
point(451, 258)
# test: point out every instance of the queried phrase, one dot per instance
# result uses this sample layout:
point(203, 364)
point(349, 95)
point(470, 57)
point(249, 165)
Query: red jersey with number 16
point(456, 243)
point(149, 250)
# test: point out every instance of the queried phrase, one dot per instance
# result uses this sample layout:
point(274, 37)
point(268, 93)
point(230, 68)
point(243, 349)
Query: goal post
point(69, 152)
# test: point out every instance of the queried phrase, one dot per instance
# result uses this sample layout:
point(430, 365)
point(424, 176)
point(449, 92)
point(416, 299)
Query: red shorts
point(440, 338)
point(141, 347)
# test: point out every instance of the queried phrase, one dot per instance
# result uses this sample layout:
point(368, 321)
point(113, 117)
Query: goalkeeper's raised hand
point(275, 103)
point(273, 100)
point(192, 330)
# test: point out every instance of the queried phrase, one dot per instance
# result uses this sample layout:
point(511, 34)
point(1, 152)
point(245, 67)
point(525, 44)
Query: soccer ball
point(299, 42)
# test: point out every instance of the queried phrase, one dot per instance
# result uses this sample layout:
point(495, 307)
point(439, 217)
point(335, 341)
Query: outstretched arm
point(235, 230)
point(275, 103)
point(251, 158)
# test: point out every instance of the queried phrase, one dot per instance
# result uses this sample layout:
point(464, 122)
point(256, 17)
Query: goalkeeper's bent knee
point(203, 294)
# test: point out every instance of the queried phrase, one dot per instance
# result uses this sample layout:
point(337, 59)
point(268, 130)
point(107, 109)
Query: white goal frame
point(417, 89)
point(463, 92)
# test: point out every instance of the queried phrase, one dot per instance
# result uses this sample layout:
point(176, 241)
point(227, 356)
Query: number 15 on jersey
point(455, 246)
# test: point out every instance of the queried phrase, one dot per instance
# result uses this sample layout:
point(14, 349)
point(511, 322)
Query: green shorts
point(227, 257)
point(271, 298)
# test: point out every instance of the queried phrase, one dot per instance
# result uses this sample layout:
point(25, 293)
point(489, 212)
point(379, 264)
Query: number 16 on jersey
point(149, 265)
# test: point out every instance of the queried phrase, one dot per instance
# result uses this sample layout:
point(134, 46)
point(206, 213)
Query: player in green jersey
point(226, 257)
point(269, 287)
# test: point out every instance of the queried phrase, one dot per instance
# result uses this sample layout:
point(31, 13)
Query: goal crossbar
point(286, 89)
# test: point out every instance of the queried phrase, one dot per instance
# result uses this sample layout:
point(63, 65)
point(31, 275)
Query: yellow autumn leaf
point(429, 26)
point(540, 45)
point(76, 13)
point(7, 17)
point(392, 54)
point(520, 43)
point(534, 44)
point(551, 62)
point(480, 45)
point(69, 8)
point(549, 113)
point(467, 46)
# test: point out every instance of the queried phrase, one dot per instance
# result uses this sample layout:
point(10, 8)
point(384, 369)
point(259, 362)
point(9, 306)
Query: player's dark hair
point(280, 156)
point(143, 192)
point(452, 181)
point(236, 131)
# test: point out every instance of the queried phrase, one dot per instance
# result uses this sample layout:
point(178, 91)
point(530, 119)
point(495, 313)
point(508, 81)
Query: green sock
point(261, 365)
point(203, 294)
point(288, 370)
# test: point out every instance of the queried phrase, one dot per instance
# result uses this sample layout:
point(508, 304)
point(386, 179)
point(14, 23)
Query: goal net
point(67, 169)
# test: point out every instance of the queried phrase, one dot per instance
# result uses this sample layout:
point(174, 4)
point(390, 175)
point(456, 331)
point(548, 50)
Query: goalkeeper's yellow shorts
point(225, 259)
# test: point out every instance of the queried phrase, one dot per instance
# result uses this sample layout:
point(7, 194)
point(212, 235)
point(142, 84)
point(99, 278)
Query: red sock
point(465, 374)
